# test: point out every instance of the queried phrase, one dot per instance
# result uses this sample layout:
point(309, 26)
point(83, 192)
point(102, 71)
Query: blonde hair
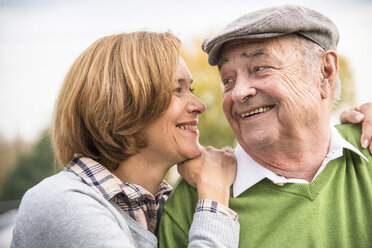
point(113, 90)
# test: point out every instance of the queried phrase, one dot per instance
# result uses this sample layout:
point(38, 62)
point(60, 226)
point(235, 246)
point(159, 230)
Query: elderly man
point(300, 182)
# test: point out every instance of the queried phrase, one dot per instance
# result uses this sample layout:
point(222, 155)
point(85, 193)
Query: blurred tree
point(9, 151)
point(30, 169)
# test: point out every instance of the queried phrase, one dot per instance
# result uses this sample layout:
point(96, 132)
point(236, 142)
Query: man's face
point(269, 93)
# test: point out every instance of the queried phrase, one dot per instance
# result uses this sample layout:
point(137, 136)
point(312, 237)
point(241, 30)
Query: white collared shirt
point(249, 172)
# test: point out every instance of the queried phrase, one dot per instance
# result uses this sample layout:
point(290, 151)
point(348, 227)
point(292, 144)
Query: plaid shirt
point(135, 200)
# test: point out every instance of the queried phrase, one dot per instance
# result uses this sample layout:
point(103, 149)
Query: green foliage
point(9, 152)
point(30, 169)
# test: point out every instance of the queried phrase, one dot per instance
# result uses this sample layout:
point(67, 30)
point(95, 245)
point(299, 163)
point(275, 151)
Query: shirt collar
point(107, 184)
point(338, 143)
point(249, 172)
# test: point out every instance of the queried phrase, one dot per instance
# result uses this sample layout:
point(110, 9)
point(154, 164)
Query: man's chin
point(256, 141)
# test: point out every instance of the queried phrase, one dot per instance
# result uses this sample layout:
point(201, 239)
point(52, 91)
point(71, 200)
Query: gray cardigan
point(63, 211)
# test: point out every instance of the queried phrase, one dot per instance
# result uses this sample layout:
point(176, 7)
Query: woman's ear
point(329, 73)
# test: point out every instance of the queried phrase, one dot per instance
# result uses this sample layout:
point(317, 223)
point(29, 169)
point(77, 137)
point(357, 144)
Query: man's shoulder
point(183, 195)
point(180, 206)
point(352, 133)
point(177, 215)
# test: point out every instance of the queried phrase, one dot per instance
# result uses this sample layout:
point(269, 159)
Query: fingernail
point(365, 143)
point(359, 117)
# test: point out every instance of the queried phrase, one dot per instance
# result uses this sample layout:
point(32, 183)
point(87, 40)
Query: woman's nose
point(196, 105)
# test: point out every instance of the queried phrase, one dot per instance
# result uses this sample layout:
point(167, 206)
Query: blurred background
point(40, 39)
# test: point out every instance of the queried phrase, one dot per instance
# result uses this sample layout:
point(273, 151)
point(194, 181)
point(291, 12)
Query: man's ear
point(329, 73)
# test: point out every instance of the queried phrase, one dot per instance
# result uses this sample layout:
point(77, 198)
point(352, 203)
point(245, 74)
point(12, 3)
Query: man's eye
point(227, 81)
point(260, 68)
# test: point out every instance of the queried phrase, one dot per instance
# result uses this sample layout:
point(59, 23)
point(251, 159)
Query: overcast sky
point(40, 39)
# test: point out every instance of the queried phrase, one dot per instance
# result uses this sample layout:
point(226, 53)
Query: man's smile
point(257, 111)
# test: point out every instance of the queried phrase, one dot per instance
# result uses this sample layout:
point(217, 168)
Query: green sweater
point(334, 210)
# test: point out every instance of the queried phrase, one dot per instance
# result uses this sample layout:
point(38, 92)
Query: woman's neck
point(142, 170)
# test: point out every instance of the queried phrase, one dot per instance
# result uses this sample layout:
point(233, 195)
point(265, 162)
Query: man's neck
point(295, 157)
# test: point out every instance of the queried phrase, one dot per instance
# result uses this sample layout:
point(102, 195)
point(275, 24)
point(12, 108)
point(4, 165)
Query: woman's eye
point(178, 90)
point(260, 68)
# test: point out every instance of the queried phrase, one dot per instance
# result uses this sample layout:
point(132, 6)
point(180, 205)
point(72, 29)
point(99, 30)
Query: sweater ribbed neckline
point(310, 190)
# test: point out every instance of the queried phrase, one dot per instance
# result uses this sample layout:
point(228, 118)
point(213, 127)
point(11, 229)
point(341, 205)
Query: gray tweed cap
point(273, 22)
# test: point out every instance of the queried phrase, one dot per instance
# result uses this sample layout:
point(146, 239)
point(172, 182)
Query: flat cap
point(273, 22)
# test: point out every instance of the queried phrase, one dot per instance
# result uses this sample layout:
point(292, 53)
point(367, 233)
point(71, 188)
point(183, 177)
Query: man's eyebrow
point(256, 53)
point(221, 63)
point(247, 54)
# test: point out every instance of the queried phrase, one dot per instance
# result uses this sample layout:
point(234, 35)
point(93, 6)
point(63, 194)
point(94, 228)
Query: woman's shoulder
point(62, 190)
point(57, 195)
point(63, 206)
point(63, 211)
point(56, 186)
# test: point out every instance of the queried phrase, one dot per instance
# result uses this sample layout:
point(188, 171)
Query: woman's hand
point(359, 114)
point(212, 173)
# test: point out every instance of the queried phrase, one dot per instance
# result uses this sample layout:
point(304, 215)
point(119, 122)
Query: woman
point(124, 116)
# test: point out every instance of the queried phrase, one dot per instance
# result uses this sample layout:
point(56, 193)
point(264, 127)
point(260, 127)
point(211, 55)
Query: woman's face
point(174, 136)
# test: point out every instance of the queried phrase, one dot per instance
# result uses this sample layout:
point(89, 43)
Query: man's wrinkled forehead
point(247, 49)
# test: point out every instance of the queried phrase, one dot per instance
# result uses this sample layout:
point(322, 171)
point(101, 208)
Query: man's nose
point(243, 90)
